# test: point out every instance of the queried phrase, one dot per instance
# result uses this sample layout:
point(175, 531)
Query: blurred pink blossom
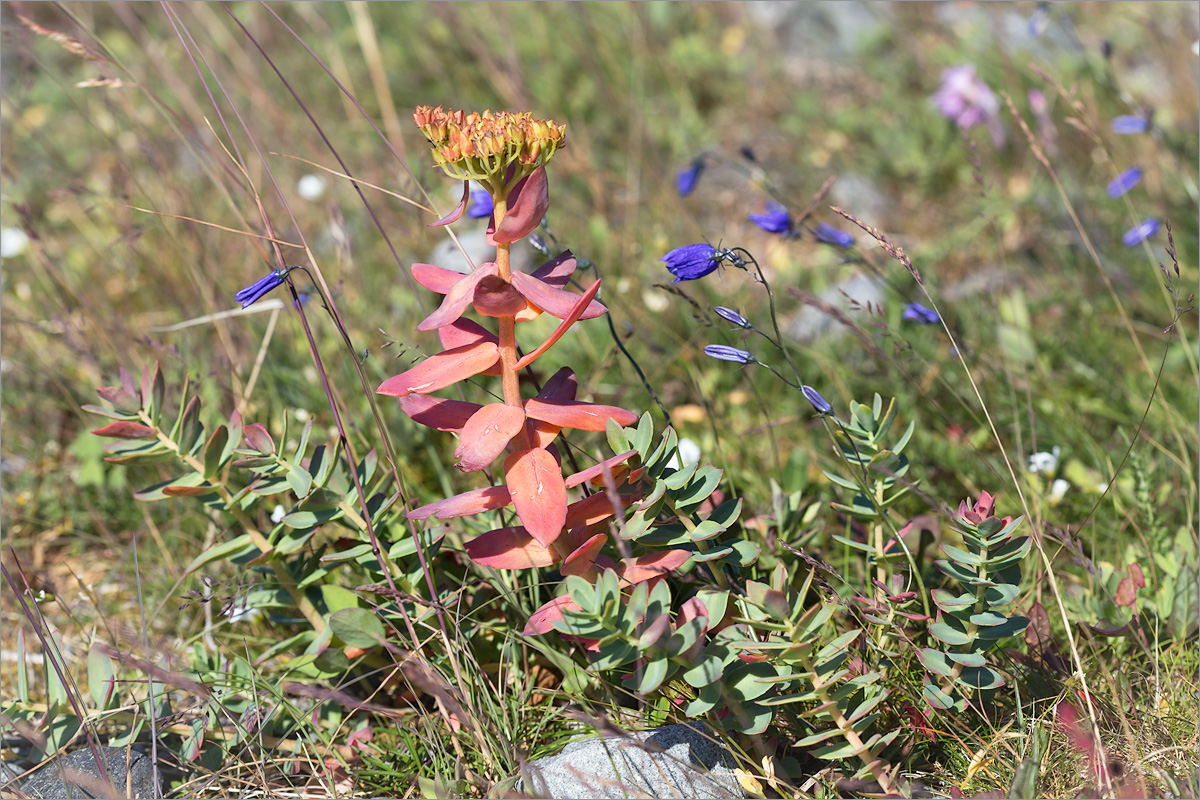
point(966, 99)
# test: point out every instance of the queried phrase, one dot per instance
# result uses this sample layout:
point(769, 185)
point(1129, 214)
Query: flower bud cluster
point(481, 147)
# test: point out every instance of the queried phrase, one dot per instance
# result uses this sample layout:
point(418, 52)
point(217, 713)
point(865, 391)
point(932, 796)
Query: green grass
point(1065, 349)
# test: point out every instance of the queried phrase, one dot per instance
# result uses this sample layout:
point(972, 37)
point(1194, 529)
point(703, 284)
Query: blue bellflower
point(831, 235)
point(691, 261)
point(1124, 182)
point(775, 220)
point(255, 292)
point(731, 316)
point(915, 312)
point(686, 180)
point(481, 205)
point(819, 403)
point(1127, 124)
point(1140, 232)
point(726, 353)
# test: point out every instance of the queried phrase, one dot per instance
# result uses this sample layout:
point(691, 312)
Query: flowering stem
point(507, 332)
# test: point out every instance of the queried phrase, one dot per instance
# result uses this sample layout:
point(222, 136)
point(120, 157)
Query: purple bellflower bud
point(726, 353)
point(691, 261)
point(255, 292)
point(915, 312)
point(819, 403)
point(1140, 232)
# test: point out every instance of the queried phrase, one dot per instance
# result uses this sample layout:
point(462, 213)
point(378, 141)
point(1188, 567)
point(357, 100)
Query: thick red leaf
point(584, 301)
point(655, 565)
point(457, 299)
point(458, 210)
point(583, 560)
point(257, 438)
point(476, 501)
point(125, 430)
point(496, 297)
point(188, 491)
point(486, 434)
point(596, 471)
point(577, 414)
point(563, 385)
point(557, 271)
point(553, 301)
point(436, 279)
point(510, 548)
point(527, 204)
point(590, 510)
point(542, 620)
point(438, 412)
point(538, 492)
point(440, 370)
point(464, 331)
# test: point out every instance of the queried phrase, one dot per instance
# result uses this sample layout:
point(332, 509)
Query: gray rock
point(75, 775)
point(685, 761)
point(859, 195)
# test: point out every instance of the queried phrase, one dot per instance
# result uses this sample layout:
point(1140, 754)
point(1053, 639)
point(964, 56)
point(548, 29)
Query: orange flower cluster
point(481, 147)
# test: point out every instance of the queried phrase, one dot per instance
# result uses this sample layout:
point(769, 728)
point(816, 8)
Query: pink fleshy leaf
point(655, 565)
point(582, 304)
point(583, 559)
point(583, 476)
point(542, 620)
point(563, 385)
point(577, 414)
point(435, 279)
point(464, 331)
point(496, 297)
point(440, 370)
point(486, 434)
point(556, 302)
point(590, 510)
point(457, 299)
point(509, 548)
point(438, 412)
point(527, 204)
point(476, 501)
point(538, 492)
point(458, 211)
point(557, 271)
point(125, 430)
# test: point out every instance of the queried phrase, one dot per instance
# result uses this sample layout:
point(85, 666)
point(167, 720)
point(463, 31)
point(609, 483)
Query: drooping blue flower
point(691, 261)
point(686, 180)
point(776, 219)
point(1127, 124)
point(726, 353)
point(915, 312)
point(831, 235)
point(819, 403)
point(729, 315)
point(255, 292)
point(1124, 182)
point(1140, 232)
point(481, 205)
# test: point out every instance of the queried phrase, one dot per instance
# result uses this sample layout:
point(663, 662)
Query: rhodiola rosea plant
point(507, 153)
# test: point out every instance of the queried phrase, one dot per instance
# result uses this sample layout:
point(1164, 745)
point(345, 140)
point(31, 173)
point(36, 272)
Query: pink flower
point(967, 100)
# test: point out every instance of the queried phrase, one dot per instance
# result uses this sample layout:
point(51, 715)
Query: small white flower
point(243, 614)
point(655, 300)
point(688, 452)
point(301, 414)
point(278, 514)
point(1044, 463)
point(311, 187)
point(1058, 489)
point(13, 242)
